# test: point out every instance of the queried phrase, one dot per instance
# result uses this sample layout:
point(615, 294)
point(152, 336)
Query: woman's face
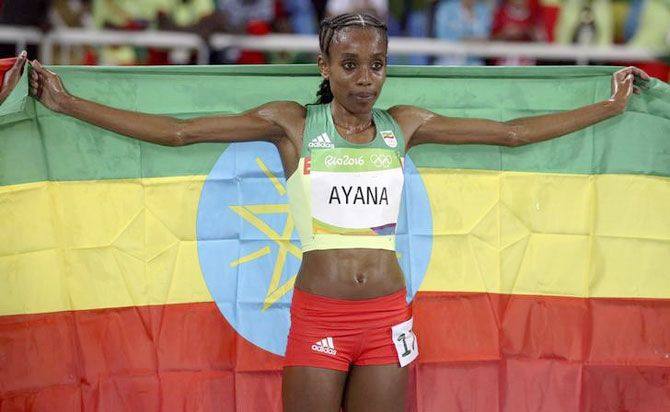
point(356, 67)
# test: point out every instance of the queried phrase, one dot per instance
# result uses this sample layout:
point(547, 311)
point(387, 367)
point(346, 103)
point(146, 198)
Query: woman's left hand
point(623, 85)
point(13, 75)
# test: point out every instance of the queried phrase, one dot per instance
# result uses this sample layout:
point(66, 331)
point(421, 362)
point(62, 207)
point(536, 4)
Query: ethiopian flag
point(140, 277)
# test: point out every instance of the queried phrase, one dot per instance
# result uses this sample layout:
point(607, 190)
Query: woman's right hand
point(47, 87)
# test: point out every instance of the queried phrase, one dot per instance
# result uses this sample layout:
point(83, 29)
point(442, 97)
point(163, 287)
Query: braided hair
point(329, 27)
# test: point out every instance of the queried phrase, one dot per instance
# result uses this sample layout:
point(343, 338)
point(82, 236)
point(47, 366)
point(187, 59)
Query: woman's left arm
point(423, 126)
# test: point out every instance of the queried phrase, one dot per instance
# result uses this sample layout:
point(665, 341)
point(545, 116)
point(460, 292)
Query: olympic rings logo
point(380, 160)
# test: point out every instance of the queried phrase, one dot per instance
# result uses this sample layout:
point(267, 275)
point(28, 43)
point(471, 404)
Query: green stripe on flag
point(37, 145)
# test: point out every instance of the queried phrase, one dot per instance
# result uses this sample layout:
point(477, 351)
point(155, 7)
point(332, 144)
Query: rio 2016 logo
point(249, 251)
point(345, 160)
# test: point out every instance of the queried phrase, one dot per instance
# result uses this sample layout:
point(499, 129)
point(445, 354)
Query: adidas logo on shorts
point(322, 141)
point(325, 345)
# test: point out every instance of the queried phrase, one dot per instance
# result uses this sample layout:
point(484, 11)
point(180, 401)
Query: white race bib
point(355, 191)
point(405, 342)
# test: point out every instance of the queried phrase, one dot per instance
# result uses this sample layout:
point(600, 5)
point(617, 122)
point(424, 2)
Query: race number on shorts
point(405, 342)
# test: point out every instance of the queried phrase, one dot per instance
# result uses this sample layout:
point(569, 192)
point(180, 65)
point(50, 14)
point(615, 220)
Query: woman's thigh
point(376, 388)
point(305, 388)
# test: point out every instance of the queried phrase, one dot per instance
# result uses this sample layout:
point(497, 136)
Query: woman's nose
point(364, 77)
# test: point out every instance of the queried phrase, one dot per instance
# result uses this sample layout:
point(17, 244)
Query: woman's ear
point(323, 66)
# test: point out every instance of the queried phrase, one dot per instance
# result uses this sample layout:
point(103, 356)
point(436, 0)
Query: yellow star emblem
point(251, 213)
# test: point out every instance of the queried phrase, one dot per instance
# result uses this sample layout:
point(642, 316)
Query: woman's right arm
point(269, 122)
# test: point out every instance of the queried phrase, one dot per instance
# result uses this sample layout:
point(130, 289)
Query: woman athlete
point(350, 326)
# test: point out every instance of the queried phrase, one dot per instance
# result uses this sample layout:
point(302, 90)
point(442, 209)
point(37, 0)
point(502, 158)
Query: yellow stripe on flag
point(549, 234)
point(99, 244)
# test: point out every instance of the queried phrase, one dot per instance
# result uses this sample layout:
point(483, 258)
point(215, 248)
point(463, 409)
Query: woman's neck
point(351, 123)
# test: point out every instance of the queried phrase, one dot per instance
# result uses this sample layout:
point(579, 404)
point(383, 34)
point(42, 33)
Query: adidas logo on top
point(321, 141)
point(325, 345)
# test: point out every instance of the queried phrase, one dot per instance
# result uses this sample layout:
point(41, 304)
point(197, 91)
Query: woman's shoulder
point(402, 112)
point(285, 109)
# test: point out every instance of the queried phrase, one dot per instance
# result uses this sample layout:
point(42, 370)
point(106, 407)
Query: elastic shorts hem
point(320, 365)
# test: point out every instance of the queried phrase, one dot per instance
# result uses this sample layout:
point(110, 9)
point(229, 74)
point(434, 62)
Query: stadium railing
point(68, 38)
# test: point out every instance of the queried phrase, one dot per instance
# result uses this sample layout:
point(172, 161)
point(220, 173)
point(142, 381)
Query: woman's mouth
point(364, 96)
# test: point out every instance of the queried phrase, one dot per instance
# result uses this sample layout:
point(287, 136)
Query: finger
point(624, 71)
point(637, 72)
point(628, 84)
point(629, 79)
point(41, 70)
point(38, 67)
point(21, 60)
point(641, 73)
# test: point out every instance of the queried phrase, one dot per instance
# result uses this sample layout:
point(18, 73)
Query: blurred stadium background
point(445, 32)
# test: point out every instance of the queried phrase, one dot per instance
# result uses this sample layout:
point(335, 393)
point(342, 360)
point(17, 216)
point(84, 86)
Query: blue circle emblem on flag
point(249, 250)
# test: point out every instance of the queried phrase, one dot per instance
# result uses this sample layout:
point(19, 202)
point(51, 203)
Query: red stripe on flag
point(484, 326)
point(139, 358)
point(483, 352)
point(479, 352)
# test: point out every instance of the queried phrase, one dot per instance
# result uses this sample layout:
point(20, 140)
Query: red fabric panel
point(526, 353)
point(5, 65)
point(626, 388)
point(457, 386)
point(143, 358)
point(482, 326)
point(540, 385)
point(478, 352)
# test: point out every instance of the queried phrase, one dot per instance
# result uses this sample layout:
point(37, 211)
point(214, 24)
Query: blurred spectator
point(654, 32)
point(619, 13)
point(550, 9)
point(301, 14)
point(123, 15)
point(253, 17)
point(298, 17)
point(378, 8)
point(72, 13)
point(195, 16)
point(632, 19)
point(462, 20)
point(654, 27)
point(418, 24)
point(585, 22)
point(240, 13)
point(519, 21)
point(33, 13)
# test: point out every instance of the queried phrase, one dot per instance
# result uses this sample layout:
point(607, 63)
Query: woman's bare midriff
point(350, 273)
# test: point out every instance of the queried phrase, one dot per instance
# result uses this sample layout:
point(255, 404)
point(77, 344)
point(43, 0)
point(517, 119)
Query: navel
point(360, 278)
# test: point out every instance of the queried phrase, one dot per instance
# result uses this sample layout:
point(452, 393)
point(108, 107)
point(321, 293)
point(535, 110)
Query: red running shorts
point(336, 333)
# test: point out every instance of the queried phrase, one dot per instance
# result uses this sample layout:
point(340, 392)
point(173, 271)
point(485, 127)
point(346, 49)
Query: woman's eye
point(377, 66)
point(349, 66)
